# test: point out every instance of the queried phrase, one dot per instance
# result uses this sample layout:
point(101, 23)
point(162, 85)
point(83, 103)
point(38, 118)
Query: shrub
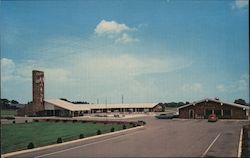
point(124, 127)
point(112, 129)
point(30, 146)
point(36, 120)
point(64, 121)
point(59, 140)
point(94, 122)
point(81, 136)
point(74, 121)
point(56, 120)
point(14, 122)
point(134, 125)
point(99, 132)
point(26, 121)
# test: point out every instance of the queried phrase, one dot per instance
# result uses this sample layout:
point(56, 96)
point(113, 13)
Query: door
point(208, 112)
point(191, 114)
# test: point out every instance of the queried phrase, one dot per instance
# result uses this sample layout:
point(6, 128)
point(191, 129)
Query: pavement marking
point(240, 143)
point(211, 145)
point(44, 155)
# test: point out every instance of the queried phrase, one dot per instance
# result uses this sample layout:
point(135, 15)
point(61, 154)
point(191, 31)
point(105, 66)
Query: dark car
point(166, 116)
point(212, 118)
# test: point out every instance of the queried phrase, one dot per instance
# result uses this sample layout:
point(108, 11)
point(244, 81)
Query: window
point(226, 112)
point(208, 112)
point(217, 113)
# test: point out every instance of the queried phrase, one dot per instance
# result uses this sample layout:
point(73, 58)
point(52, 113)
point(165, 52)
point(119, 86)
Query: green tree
point(14, 102)
point(240, 101)
point(5, 101)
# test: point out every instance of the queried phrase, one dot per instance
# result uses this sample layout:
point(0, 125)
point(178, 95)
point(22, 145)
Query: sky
point(145, 51)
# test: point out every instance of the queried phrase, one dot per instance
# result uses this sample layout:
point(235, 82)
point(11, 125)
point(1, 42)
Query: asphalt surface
point(159, 138)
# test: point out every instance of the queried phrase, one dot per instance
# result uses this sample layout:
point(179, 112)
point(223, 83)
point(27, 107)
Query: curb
point(240, 143)
point(65, 143)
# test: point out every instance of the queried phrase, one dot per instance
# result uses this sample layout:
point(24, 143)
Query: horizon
point(147, 51)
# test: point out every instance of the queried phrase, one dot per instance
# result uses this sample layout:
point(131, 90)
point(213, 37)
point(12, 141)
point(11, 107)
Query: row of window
point(223, 112)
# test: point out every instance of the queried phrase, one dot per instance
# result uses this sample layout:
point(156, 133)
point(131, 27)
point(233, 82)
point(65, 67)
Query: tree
point(64, 99)
point(14, 102)
point(5, 101)
point(29, 102)
point(240, 101)
point(180, 104)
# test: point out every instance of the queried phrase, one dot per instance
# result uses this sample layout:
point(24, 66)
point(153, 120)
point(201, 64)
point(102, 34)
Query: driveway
point(159, 138)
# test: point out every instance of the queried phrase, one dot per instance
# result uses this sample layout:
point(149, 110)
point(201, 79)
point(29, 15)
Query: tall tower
point(38, 90)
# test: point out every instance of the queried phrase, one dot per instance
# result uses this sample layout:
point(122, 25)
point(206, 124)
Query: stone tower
point(38, 91)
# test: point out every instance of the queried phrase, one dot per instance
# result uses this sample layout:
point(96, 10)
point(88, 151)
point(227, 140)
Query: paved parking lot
point(159, 138)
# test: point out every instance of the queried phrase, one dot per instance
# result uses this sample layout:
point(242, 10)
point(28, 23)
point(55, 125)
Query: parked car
point(212, 118)
point(166, 116)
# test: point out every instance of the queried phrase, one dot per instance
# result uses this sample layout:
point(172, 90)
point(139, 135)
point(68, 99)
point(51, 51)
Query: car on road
point(166, 116)
point(212, 118)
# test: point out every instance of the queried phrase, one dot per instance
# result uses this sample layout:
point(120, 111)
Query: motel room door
point(208, 112)
point(191, 114)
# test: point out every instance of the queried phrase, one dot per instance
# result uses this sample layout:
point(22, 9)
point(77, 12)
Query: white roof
point(67, 105)
point(83, 107)
point(113, 106)
point(217, 101)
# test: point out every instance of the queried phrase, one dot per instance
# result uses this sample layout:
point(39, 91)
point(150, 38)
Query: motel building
point(57, 107)
point(203, 108)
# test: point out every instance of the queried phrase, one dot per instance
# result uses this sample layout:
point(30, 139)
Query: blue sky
point(148, 51)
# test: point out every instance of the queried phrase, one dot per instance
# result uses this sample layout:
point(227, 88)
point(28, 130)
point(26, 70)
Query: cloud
point(241, 84)
point(125, 38)
point(192, 88)
point(7, 69)
point(111, 27)
point(115, 31)
point(93, 75)
point(240, 4)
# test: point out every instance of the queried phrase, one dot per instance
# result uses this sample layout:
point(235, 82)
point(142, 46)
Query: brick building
point(203, 108)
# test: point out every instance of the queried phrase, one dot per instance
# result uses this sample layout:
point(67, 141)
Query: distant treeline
point(174, 104)
point(9, 104)
point(75, 102)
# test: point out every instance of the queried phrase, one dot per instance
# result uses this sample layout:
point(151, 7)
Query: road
point(159, 138)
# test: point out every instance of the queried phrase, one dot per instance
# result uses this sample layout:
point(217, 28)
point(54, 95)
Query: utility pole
point(122, 99)
point(106, 109)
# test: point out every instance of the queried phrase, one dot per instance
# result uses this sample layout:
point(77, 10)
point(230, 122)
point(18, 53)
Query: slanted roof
point(67, 105)
point(113, 106)
point(217, 101)
point(82, 107)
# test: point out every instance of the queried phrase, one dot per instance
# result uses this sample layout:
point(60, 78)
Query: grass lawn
point(17, 136)
point(8, 112)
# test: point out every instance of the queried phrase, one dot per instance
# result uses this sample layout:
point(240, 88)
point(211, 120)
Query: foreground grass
point(8, 112)
point(17, 136)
